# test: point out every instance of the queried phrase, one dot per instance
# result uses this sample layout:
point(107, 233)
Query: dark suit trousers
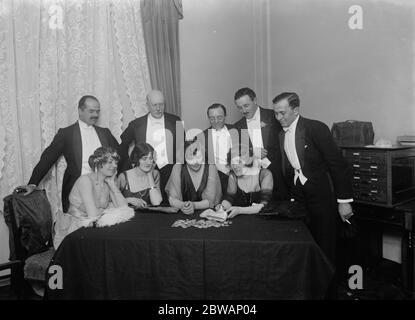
point(164, 177)
point(317, 197)
point(319, 201)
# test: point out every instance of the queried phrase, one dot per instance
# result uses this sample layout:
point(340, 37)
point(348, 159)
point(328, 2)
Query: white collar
point(222, 130)
point(256, 115)
point(84, 125)
point(155, 120)
point(293, 125)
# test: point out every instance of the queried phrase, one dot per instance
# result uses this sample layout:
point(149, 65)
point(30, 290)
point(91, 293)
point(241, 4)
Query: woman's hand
point(188, 207)
point(219, 207)
point(111, 182)
point(233, 212)
point(225, 205)
point(137, 203)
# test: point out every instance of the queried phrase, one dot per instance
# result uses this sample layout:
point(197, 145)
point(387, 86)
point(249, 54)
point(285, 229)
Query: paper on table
point(210, 214)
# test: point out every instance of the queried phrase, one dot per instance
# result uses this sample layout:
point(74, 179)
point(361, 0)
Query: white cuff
point(344, 200)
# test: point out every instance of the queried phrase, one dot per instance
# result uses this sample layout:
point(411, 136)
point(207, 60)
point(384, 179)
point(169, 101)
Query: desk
point(373, 221)
point(256, 257)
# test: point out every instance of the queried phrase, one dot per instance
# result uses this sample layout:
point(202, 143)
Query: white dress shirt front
point(222, 142)
point(156, 137)
point(291, 152)
point(255, 134)
point(90, 142)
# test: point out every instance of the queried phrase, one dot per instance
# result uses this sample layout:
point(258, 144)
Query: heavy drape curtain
point(53, 52)
point(161, 33)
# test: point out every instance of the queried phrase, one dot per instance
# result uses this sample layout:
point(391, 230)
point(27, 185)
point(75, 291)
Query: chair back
point(29, 219)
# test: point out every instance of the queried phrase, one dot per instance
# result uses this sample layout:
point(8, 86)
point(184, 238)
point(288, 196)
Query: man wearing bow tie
point(76, 143)
point(218, 141)
point(313, 164)
point(159, 129)
point(259, 129)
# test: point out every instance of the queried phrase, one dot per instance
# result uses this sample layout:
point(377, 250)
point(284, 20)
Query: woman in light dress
point(92, 195)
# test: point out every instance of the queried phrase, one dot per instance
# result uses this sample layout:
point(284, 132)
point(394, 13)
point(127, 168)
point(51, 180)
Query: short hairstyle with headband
point(101, 156)
point(193, 150)
point(140, 150)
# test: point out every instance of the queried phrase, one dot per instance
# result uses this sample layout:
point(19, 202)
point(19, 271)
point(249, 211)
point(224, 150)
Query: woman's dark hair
point(101, 156)
point(140, 150)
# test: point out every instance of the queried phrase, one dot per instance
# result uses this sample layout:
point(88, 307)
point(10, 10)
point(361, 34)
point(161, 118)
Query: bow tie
point(252, 119)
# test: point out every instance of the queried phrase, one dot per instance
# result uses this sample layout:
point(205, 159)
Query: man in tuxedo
point(259, 129)
point(314, 166)
point(159, 129)
point(76, 143)
point(218, 141)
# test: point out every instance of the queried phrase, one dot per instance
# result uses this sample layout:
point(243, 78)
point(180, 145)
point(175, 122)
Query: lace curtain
point(53, 52)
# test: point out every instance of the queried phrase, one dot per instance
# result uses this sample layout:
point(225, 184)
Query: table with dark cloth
point(256, 257)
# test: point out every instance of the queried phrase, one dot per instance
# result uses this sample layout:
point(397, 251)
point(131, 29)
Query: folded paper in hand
point(210, 214)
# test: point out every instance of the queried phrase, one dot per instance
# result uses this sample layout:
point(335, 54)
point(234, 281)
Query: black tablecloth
point(145, 258)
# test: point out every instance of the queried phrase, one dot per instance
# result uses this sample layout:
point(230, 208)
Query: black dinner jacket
point(137, 130)
point(206, 135)
point(318, 155)
point(68, 142)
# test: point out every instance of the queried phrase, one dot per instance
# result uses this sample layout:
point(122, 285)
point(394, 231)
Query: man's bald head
point(155, 103)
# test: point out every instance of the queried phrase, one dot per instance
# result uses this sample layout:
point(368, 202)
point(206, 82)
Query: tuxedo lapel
point(300, 141)
point(142, 129)
point(264, 129)
point(169, 124)
point(77, 146)
point(281, 138)
point(210, 149)
point(102, 137)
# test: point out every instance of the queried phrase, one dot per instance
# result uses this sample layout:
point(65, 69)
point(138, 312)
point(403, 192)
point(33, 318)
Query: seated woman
point(141, 184)
point(194, 185)
point(91, 194)
point(249, 186)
